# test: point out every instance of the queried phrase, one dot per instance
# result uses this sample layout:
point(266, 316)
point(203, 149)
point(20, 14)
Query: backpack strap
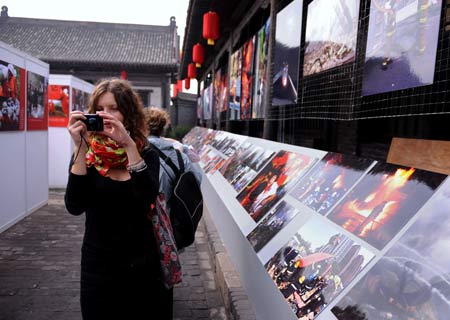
point(169, 162)
point(180, 161)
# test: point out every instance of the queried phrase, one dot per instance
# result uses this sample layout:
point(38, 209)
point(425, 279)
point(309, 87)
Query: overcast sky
point(150, 12)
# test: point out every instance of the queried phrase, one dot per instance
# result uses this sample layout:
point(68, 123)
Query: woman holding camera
point(113, 178)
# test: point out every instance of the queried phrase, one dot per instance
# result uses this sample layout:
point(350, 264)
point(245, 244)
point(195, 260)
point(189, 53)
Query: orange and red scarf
point(104, 154)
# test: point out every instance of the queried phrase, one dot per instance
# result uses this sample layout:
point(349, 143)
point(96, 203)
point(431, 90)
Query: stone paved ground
point(39, 270)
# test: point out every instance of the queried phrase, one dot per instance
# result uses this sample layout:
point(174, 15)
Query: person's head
point(156, 119)
point(116, 96)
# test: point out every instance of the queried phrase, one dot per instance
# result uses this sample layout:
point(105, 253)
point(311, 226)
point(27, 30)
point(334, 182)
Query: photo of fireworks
point(243, 166)
point(315, 266)
point(273, 182)
point(384, 201)
point(401, 46)
point(331, 30)
point(329, 180)
point(275, 220)
point(413, 280)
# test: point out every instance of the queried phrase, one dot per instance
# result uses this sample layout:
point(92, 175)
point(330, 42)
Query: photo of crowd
point(10, 97)
point(329, 180)
point(273, 182)
point(412, 281)
point(275, 220)
point(37, 102)
point(226, 143)
point(315, 266)
point(401, 46)
point(331, 30)
point(384, 201)
point(243, 166)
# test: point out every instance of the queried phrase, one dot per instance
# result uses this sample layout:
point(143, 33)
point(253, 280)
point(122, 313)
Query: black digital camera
point(93, 122)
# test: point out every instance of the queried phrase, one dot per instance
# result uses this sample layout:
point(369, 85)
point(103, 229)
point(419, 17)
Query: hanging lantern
point(198, 55)
point(211, 27)
point(123, 75)
point(191, 71)
point(174, 90)
point(187, 83)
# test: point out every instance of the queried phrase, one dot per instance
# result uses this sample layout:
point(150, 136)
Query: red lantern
point(198, 55)
point(192, 71)
point(123, 75)
point(180, 85)
point(211, 27)
point(187, 83)
point(174, 90)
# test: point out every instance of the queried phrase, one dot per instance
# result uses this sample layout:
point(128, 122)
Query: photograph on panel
point(384, 201)
point(37, 106)
point(207, 102)
point(226, 142)
point(216, 94)
point(212, 160)
point(274, 221)
point(193, 135)
point(412, 281)
point(223, 91)
point(58, 105)
point(243, 166)
point(329, 180)
point(288, 32)
point(315, 266)
point(261, 67)
point(234, 97)
point(80, 100)
point(11, 86)
point(401, 45)
point(273, 182)
point(248, 52)
point(331, 32)
point(202, 142)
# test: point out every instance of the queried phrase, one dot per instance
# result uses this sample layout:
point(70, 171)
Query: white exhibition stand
point(60, 144)
point(23, 156)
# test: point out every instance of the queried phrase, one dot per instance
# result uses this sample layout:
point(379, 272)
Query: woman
point(157, 120)
point(114, 179)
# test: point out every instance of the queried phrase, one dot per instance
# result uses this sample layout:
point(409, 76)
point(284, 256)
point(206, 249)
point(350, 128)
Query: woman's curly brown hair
point(156, 120)
point(129, 104)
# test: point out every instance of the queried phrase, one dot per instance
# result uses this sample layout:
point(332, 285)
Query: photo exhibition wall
point(324, 235)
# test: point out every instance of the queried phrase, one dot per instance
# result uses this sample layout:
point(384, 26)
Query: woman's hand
point(76, 126)
point(115, 129)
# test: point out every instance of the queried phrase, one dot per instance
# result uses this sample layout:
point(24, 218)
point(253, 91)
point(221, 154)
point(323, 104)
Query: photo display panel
point(331, 31)
point(401, 45)
point(287, 54)
point(248, 52)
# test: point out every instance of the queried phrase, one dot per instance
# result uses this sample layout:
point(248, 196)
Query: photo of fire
point(275, 220)
point(315, 266)
point(413, 280)
point(243, 166)
point(384, 201)
point(273, 182)
point(329, 180)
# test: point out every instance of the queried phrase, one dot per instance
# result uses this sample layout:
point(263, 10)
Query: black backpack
point(186, 202)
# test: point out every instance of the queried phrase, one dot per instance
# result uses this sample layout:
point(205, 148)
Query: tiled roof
point(92, 43)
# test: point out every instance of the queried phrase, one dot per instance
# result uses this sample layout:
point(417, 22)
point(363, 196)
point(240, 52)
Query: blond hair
point(156, 120)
